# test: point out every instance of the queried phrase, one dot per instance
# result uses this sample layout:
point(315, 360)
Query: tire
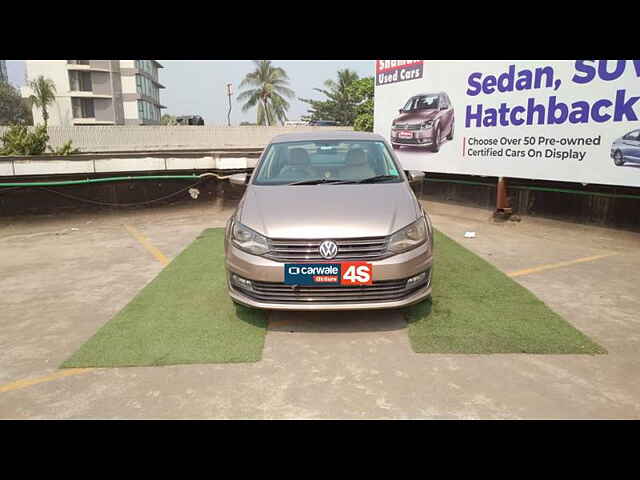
point(450, 136)
point(618, 158)
point(435, 146)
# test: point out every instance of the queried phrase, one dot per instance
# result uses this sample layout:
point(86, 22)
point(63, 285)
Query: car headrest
point(356, 157)
point(298, 157)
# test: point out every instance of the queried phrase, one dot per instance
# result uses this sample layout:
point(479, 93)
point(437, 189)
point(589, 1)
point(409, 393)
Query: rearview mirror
point(415, 175)
point(239, 179)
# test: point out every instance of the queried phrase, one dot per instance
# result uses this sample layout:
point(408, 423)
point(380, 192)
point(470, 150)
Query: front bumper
point(392, 270)
point(415, 297)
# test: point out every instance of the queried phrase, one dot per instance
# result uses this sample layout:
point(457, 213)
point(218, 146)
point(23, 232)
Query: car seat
point(357, 166)
point(297, 166)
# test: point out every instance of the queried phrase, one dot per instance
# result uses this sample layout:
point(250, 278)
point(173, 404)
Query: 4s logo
point(356, 273)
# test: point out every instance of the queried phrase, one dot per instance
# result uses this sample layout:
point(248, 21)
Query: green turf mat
point(475, 308)
point(183, 316)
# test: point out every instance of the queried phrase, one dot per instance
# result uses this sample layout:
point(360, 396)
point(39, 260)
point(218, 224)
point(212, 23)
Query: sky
point(198, 87)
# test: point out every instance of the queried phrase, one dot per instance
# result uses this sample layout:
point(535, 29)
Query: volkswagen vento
point(328, 221)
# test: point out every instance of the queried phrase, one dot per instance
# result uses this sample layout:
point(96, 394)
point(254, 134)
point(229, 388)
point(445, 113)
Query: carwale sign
point(340, 273)
point(563, 120)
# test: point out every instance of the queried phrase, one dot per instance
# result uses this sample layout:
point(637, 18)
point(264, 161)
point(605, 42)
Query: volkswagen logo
point(328, 249)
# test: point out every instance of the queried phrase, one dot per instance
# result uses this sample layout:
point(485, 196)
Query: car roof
point(326, 135)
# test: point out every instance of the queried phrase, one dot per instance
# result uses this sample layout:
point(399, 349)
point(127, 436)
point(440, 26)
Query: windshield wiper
point(377, 178)
point(316, 181)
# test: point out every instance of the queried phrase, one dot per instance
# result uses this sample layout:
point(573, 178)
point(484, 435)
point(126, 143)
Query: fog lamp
point(417, 280)
point(241, 282)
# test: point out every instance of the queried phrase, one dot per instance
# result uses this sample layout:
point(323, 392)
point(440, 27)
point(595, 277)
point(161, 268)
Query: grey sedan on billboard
point(626, 148)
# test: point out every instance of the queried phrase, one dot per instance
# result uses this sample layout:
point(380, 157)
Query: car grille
point(370, 248)
point(407, 126)
point(387, 290)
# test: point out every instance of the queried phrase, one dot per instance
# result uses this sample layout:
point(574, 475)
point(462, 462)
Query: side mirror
point(239, 179)
point(415, 176)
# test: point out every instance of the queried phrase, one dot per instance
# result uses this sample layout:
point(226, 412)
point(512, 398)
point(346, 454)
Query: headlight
point(409, 237)
point(246, 239)
point(427, 124)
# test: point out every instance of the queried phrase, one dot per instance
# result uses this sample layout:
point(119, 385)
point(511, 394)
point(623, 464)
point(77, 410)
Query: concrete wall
point(103, 108)
point(86, 164)
point(158, 138)
point(596, 204)
point(127, 194)
point(101, 83)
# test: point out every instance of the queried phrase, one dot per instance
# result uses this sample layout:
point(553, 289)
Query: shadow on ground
point(337, 322)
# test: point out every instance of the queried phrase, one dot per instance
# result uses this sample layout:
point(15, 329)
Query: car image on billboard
point(426, 120)
point(626, 148)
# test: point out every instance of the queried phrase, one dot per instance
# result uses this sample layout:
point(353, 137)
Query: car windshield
point(327, 161)
point(632, 135)
point(422, 102)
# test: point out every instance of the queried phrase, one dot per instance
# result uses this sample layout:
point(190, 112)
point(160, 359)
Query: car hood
point(328, 211)
point(417, 117)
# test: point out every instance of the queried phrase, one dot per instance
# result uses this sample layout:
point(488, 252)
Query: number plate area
point(339, 273)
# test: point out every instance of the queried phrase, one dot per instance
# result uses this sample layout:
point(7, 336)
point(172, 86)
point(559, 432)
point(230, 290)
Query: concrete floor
point(65, 276)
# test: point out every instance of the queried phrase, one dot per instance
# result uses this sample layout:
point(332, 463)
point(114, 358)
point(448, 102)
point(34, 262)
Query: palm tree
point(267, 87)
point(44, 94)
point(338, 92)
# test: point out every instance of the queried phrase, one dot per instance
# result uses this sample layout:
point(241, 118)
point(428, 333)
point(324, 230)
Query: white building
point(99, 92)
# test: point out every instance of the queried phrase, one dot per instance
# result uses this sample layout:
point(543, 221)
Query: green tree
point(18, 140)
point(44, 94)
point(340, 105)
point(266, 88)
point(13, 108)
point(167, 119)
point(361, 91)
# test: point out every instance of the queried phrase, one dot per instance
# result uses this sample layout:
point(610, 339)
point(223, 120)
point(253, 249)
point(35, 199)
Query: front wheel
point(435, 145)
point(618, 158)
point(450, 136)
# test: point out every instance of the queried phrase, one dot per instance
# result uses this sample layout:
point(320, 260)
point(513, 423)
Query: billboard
point(569, 120)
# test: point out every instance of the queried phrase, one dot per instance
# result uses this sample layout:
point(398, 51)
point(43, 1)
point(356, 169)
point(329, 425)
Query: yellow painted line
point(549, 266)
point(157, 254)
point(34, 381)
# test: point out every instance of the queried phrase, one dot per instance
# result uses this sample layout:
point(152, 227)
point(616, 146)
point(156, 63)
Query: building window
point(83, 108)
point(80, 81)
point(148, 111)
